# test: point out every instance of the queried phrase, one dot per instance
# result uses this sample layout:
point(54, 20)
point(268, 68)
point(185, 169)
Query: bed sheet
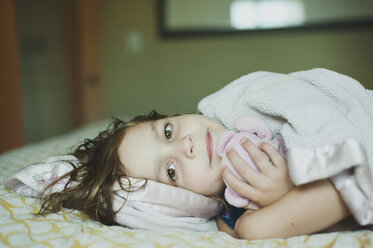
point(20, 228)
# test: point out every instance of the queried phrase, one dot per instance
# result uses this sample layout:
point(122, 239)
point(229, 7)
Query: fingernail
point(260, 144)
point(228, 150)
point(243, 140)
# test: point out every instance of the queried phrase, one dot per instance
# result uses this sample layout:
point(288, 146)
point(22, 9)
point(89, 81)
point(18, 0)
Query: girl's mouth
point(209, 144)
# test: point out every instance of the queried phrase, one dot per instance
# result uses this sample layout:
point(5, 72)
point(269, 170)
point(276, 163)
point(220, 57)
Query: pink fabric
point(256, 131)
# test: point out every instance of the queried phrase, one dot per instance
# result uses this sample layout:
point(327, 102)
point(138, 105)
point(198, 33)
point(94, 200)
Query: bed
point(20, 228)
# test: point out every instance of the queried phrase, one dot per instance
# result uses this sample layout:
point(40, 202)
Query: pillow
point(144, 204)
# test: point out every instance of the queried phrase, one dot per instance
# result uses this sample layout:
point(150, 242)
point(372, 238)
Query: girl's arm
point(304, 210)
point(223, 227)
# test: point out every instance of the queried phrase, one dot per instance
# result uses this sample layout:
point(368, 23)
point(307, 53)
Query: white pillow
point(155, 206)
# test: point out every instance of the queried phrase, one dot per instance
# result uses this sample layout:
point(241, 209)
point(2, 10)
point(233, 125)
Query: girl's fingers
point(237, 185)
point(251, 206)
point(259, 157)
point(277, 159)
point(243, 169)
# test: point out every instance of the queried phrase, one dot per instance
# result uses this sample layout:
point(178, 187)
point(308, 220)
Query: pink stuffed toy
point(256, 130)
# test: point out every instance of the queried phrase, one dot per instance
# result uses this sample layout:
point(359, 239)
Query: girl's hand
point(264, 187)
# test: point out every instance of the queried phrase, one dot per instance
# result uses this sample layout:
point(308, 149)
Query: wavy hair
point(99, 169)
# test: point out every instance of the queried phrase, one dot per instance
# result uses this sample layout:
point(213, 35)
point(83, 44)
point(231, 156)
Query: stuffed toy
point(256, 130)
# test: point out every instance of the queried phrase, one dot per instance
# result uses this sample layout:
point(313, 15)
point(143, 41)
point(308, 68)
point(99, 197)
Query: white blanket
point(325, 119)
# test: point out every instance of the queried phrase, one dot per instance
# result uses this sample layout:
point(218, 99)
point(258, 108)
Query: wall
point(173, 75)
point(142, 71)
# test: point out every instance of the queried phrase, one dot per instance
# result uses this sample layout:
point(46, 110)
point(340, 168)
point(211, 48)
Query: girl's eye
point(171, 172)
point(168, 131)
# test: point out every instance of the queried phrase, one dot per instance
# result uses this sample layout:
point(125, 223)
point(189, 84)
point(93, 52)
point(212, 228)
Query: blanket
point(325, 119)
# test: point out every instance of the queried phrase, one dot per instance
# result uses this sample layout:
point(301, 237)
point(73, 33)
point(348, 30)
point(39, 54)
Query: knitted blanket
point(325, 119)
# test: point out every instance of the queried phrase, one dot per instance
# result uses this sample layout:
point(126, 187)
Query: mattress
point(19, 227)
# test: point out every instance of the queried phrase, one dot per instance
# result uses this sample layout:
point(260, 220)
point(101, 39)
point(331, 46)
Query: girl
point(176, 151)
point(181, 151)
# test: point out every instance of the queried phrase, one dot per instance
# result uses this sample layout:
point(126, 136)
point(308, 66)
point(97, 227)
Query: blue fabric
point(231, 215)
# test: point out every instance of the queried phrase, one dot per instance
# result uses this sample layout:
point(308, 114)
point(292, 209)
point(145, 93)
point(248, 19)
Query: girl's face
point(181, 151)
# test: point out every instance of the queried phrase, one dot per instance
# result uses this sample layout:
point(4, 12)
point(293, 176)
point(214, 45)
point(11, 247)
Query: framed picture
point(206, 17)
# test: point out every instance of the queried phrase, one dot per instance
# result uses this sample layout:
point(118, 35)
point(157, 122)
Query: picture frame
point(180, 18)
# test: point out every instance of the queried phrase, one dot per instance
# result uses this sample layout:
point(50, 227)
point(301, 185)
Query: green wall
point(142, 71)
point(173, 75)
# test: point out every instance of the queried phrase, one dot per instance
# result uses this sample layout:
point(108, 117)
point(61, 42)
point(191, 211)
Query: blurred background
point(67, 63)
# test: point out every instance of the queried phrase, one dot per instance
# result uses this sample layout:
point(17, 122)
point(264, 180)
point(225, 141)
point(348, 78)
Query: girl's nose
point(188, 146)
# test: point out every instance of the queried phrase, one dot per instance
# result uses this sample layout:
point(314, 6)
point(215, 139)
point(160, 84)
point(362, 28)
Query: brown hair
point(99, 169)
